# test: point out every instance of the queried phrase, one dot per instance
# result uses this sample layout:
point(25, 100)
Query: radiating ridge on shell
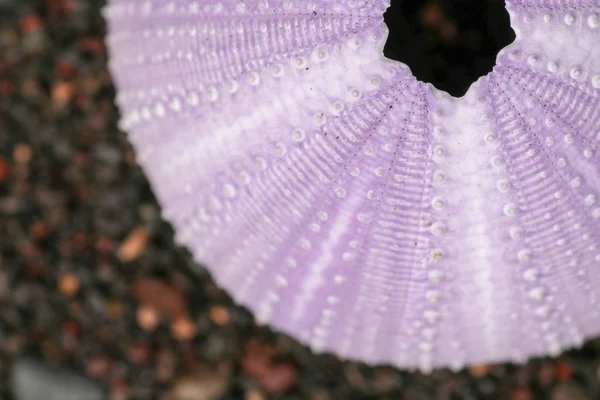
point(357, 209)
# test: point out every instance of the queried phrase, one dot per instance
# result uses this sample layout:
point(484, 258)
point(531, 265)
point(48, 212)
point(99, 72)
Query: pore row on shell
point(362, 211)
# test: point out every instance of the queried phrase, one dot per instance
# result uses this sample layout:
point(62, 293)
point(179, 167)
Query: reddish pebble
point(4, 169)
point(71, 328)
point(138, 353)
point(30, 23)
point(61, 94)
point(521, 394)
point(254, 394)
point(118, 390)
point(479, 371)
point(564, 371)
point(183, 329)
point(69, 284)
point(204, 385)
point(22, 153)
point(275, 378)
point(104, 244)
point(278, 378)
point(93, 45)
point(65, 70)
point(147, 317)
point(6, 87)
point(161, 296)
point(546, 374)
point(36, 269)
point(134, 244)
point(219, 315)
point(38, 230)
point(98, 366)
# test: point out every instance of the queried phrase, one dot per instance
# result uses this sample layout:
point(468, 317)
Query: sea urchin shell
point(357, 209)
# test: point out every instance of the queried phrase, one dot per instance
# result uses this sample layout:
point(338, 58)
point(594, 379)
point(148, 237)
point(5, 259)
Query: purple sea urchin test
point(360, 210)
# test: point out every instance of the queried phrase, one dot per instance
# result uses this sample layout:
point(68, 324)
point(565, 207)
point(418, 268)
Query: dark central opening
point(449, 43)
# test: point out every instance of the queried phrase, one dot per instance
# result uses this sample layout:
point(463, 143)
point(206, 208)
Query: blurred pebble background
point(96, 301)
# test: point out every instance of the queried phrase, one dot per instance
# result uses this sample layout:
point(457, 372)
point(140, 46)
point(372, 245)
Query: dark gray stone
point(33, 380)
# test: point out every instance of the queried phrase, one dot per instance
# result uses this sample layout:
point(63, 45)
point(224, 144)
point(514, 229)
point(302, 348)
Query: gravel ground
point(96, 301)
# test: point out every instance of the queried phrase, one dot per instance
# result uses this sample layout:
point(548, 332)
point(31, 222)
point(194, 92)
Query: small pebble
point(521, 394)
point(69, 284)
point(479, 371)
point(134, 244)
point(183, 329)
point(38, 230)
point(61, 94)
point(138, 353)
point(30, 23)
point(546, 374)
point(161, 296)
point(275, 378)
point(22, 153)
point(4, 169)
point(205, 385)
point(254, 394)
point(564, 370)
point(118, 390)
point(148, 317)
point(219, 315)
point(99, 366)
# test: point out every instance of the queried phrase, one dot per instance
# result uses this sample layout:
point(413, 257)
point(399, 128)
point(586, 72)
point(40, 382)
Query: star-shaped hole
point(449, 43)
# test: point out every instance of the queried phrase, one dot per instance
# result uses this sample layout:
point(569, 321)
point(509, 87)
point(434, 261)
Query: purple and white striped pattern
point(357, 209)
